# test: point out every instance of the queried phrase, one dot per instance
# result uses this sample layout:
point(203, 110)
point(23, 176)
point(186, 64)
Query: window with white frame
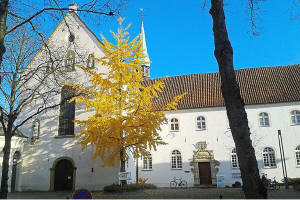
point(264, 119)
point(295, 117)
point(147, 162)
point(174, 125)
point(70, 61)
point(234, 159)
point(269, 157)
point(297, 152)
point(91, 61)
point(176, 160)
point(201, 125)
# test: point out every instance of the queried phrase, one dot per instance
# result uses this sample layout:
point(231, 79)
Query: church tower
point(146, 67)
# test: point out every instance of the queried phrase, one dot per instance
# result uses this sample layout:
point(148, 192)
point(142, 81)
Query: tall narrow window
point(174, 125)
point(295, 117)
point(297, 152)
point(35, 130)
point(147, 162)
point(234, 159)
point(264, 119)
point(70, 61)
point(201, 125)
point(66, 112)
point(269, 158)
point(91, 61)
point(176, 162)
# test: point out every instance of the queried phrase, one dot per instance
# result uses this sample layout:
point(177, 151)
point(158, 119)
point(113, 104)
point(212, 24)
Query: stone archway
point(204, 166)
point(66, 167)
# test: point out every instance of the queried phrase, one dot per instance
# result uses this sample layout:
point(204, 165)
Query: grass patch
point(128, 187)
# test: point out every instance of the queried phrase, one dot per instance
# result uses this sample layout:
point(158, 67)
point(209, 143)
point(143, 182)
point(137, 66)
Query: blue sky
point(180, 39)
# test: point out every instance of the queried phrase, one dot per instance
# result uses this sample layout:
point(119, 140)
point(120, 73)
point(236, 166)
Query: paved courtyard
point(160, 193)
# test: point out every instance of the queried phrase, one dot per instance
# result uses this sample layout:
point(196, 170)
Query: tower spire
point(146, 67)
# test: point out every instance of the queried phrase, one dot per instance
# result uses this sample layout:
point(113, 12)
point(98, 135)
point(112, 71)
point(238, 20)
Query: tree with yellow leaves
point(125, 117)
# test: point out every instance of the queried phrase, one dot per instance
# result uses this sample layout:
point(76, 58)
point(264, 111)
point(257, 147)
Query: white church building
point(199, 143)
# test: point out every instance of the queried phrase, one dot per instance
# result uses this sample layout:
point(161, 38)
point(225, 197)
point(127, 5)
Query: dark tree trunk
point(252, 185)
point(3, 19)
point(5, 166)
point(137, 171)
point(123, 163)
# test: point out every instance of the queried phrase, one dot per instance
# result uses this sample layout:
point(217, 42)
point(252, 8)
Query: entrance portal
point(16, 158)
point(204, 173)
point(63, 179)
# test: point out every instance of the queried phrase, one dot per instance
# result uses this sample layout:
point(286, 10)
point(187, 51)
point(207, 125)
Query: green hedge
point(128, 187)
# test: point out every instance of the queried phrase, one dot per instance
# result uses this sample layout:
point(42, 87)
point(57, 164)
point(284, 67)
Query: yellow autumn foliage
point(125, 117)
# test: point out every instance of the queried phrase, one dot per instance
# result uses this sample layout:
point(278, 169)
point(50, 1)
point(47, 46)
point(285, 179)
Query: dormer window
point(70, 61)
point(90, 61)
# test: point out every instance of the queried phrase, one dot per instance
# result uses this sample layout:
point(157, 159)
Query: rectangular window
point(234, 161)
point(298, 159)
point(147, 163)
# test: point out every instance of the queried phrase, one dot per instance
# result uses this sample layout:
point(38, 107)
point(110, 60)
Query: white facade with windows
point(199, 143)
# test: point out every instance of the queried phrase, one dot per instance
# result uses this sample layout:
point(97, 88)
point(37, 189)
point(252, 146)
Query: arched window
point(269, 157)
point(297, 152)
point(176, 162)
point(70, 61)
point(295, 117)
point(174, 126)
point(264, 119)
point(66, 112)
point(91, 61)
point(234, 159)
point(147, 162)
point(35, 130)
point(201, 125)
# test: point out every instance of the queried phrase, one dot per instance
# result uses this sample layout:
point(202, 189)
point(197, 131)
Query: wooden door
point(204, 173)
point(63, 175)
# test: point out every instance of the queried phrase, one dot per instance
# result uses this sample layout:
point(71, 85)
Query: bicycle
point(178, 182)
point(273, 184)
point(270, 184)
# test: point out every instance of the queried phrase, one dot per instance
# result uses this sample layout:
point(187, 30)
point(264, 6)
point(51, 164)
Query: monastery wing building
point(200, 146)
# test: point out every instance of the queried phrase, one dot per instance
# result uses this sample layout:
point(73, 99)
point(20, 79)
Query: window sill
point(270, 167)
point(176, 168)
point(264, 126)
point(235, 168)
point(295, 124)
point(201, 129)
point(174, 131)
point(63, 136)
point(146, 169)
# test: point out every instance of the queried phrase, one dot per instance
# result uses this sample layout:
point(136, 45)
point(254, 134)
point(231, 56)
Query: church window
point(90, 61)
point(201, 125)
point(70, 61)
point(269, 158)
point(176, 160)
point(297, 152)
point(147, 162)
point(264, 119)
point(234, 159)
point(174, 125)
point(35, 130)
point(295, 117)
point(66, 112)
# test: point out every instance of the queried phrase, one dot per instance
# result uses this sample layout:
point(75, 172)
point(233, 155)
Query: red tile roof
point(258, 86)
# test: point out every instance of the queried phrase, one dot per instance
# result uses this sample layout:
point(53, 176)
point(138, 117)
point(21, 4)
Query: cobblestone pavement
point(160, 193)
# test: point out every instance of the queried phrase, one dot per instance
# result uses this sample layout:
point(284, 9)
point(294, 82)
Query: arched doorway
point(64, 175)
point(16, 158)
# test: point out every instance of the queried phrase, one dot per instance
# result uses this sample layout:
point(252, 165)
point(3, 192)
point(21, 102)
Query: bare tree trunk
point(5, 166)
point(252, 185)
point(122, 167)
point(3, 19)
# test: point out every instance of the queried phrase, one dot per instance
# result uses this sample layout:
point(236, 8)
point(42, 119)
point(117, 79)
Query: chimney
point(73, 7)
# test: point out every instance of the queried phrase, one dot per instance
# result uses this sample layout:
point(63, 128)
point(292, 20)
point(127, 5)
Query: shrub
point(128, 187)
point(297, 186)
